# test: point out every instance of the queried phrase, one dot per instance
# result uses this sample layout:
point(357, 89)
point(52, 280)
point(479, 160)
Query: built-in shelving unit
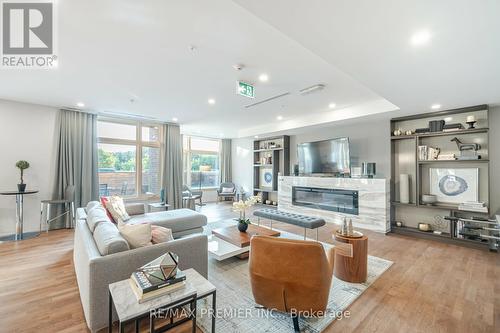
point(405, 160)
point(271, 156)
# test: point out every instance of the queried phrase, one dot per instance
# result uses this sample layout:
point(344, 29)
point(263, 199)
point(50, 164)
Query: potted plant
point(241, 207)
point(22, 165)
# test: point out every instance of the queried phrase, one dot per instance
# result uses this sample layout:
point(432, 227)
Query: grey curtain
point(76, 162)
point(171, 175)
point(225, 163)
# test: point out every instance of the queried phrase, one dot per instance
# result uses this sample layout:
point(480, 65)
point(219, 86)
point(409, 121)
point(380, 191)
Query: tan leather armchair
point(292, 276)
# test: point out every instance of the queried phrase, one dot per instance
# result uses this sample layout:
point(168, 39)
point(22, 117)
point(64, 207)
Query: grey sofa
point(94, 271)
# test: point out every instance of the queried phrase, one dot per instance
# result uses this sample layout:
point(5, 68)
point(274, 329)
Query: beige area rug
point(238, 313)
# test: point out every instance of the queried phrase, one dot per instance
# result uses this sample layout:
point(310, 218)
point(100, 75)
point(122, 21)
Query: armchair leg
point(296, 327)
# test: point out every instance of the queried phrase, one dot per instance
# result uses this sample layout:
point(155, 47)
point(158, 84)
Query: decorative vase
point(242, 226)
point(404, 188)
point(21, 187)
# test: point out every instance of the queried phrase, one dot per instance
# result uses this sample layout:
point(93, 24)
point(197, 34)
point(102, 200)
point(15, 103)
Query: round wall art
point(454, 185)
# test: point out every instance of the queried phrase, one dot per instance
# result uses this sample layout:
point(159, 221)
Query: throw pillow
point(137, 235)
point(160, 234)
point(104, 200)
point(116, 207)
point(227, 190)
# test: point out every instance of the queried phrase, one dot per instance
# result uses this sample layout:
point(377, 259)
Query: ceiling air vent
point(311, 89)
point(266, 100)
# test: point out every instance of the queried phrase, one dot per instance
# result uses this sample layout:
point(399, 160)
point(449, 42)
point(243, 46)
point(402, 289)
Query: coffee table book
point(146, 283)
point(141, 298)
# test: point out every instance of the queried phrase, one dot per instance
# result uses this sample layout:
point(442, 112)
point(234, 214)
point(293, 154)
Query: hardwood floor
point(432, 287)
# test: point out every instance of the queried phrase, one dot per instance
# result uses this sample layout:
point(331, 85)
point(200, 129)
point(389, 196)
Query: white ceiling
point(113, 51)
point(369, 40)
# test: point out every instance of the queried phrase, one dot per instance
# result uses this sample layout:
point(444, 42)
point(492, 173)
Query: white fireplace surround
point(374, 206)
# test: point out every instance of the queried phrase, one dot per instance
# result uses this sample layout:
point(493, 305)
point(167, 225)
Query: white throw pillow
point(160, 234)
point(116, 207)
point(227, 190)
point(137, 235)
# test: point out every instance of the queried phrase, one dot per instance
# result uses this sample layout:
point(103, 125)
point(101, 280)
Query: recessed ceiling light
point(420, 38)
point(174, 119)
point(211, 101)
point(332, 105)
point(256, 136)
point(448, 119)
point(263, 77)
point(436, 106)
point(279, 118)
point(80, 105)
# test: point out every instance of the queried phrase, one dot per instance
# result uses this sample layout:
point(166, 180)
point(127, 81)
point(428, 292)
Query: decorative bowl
point(424, 227)
point(429, 199)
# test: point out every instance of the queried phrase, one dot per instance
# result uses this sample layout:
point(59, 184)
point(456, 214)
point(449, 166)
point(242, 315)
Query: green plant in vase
point(241, 207)
point(22, 165)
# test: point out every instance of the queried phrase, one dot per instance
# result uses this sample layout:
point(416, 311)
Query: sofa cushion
point(160, 234)
point(176, 220)
point(108, 239)
point(116, 207)
point(227, 190)
point(137, 235)
point(91, 205)
point(96, 215)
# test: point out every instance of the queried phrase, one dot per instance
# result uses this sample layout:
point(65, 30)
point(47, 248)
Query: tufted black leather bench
point(304, 221)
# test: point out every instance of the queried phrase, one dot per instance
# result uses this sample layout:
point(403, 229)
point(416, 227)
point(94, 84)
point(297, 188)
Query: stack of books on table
point(157, 278)
point(473, 206)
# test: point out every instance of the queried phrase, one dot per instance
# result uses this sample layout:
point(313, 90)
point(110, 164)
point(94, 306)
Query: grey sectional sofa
point(95, 271)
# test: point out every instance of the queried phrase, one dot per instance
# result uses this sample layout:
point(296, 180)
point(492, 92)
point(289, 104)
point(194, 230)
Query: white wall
point(242, 163)
point(27, 132)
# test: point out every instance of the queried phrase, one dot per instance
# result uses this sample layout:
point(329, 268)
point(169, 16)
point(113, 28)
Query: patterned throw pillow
point(137, 235)
point(104, 201)
point(116, 207)
point(160, 234)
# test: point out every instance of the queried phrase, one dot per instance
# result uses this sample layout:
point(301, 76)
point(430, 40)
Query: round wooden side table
point(353, 267)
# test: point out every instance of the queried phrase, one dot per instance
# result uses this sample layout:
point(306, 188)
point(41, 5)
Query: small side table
point(20, 234)
point(353, 266)
point(158, 205)
point(129, 310)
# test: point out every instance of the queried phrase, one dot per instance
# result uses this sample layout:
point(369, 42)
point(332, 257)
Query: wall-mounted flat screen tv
point(328, 157)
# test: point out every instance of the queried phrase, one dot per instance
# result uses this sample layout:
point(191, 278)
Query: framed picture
point(266, 177)
point(455, 185)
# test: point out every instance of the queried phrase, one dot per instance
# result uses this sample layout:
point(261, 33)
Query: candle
point(471, 119)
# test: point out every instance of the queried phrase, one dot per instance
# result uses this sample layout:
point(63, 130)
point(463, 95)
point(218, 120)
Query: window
point(201, 162)
point(129, 158)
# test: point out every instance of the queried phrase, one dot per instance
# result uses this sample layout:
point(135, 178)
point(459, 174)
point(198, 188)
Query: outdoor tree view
point(118, 161)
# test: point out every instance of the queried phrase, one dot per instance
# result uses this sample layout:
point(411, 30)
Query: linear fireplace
point(342, 201)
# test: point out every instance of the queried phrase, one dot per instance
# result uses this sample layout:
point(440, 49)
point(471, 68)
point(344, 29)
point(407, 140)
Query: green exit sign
point(245, 89)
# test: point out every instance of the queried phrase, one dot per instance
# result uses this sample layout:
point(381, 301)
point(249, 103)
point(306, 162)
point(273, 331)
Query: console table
point(19, 235)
